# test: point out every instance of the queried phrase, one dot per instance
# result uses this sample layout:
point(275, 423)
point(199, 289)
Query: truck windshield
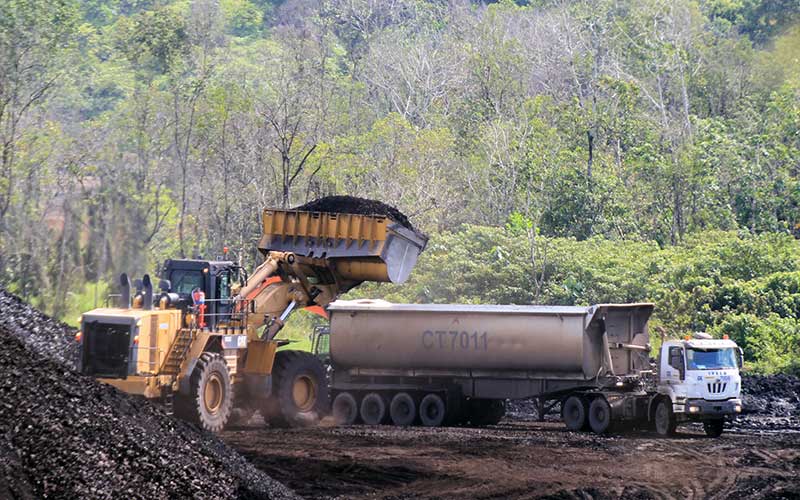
point(710, 359)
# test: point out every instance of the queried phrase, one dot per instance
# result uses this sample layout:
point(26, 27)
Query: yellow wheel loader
point(205, 342)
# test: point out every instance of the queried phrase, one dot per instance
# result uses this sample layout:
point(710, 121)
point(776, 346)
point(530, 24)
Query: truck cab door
point(673, 366)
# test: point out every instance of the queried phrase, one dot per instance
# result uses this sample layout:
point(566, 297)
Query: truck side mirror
point(740, 359)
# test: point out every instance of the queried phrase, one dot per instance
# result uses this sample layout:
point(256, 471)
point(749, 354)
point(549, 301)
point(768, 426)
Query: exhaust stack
point(147, 300)
point(124, 291)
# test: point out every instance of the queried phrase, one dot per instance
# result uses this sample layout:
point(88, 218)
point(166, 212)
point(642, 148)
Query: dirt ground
point(522, 459)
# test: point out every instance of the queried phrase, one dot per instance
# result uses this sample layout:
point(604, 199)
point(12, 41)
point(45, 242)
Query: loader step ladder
point(169, 402)
point(183, 340)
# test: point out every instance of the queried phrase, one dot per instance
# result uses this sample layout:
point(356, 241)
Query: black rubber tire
point(432, 410)
point(714, 427)
point(600, 415)
point(373, 409)
point(402, 409)
point(300, 395)
point(210, 400)
point(574, 413)
point(664, 419)
point(344, 409)
point(486, 411)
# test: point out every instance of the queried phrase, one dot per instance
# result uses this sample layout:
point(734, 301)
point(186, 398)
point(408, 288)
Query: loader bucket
point(360, 247)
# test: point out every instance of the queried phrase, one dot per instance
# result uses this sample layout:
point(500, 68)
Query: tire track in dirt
point(518, 460)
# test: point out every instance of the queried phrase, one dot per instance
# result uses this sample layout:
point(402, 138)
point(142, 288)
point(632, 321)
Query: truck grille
point(105, 349)
point(717, 388)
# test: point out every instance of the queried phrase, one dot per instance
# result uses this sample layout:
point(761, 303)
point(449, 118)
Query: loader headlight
point(737, 408)
point(694, 409)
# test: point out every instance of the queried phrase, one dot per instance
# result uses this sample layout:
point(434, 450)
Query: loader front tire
point(300, 397)
point(211, 394)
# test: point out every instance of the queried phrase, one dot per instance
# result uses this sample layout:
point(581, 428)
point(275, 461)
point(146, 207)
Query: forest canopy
point(557, 151)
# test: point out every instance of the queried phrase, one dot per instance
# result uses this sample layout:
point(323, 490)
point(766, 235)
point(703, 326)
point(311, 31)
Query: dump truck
point(457, 364)
point(204, 343)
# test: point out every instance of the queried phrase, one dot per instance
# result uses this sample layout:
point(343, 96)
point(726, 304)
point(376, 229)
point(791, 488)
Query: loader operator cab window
point(224, 305)
point(184, 281)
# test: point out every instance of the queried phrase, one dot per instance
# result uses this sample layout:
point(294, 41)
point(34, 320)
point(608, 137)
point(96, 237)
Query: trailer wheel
point(486, 411)
point(301, 395)
point(431, 410)
point(211, 398)
point(599, 415)
point(345, 409)
point(573, 412)
point(664, 418)
point(373, 409)
point(714, 427)
point(402, 409)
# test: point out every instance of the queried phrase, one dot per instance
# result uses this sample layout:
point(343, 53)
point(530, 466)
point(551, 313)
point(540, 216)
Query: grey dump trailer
point(458, 364)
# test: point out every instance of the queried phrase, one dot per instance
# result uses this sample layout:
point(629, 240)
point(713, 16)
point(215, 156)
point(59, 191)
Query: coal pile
point(354, 205)
point(64, 435)
point(47, 336)
point(771, 403)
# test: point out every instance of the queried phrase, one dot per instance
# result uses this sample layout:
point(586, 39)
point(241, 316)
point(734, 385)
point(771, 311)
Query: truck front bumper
point(705, 408)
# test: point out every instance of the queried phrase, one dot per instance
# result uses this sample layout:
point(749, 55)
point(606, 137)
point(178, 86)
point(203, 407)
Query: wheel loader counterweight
point(205, 343)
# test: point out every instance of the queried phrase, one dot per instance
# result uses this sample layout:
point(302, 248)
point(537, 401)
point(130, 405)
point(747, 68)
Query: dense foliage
point(566, 152)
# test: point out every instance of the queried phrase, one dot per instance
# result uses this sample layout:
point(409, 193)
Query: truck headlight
point(737, 408)
point(694, 409)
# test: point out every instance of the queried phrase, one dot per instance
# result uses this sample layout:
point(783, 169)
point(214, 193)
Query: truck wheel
point(714, 427)
point(373, 409)
point(211, 398)
point(664, 418)
point(573, 412)
point(301, 395)
point(431, 410)
point(402, 409)
point(486, 411)
point(599, 415)
point(345, 409)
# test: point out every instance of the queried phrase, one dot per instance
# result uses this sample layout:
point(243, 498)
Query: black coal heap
point(354, 205)
point(64, 435)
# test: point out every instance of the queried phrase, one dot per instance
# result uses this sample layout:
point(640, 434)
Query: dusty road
point(522, 460)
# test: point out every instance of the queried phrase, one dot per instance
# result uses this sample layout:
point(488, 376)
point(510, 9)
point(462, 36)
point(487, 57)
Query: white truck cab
point(698, 381)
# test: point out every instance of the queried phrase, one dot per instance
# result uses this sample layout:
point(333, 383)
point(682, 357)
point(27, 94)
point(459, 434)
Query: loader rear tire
point(301, 396)
point(211, 398)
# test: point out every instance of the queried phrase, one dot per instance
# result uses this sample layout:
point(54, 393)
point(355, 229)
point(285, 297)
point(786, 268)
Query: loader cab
point(214, 278)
